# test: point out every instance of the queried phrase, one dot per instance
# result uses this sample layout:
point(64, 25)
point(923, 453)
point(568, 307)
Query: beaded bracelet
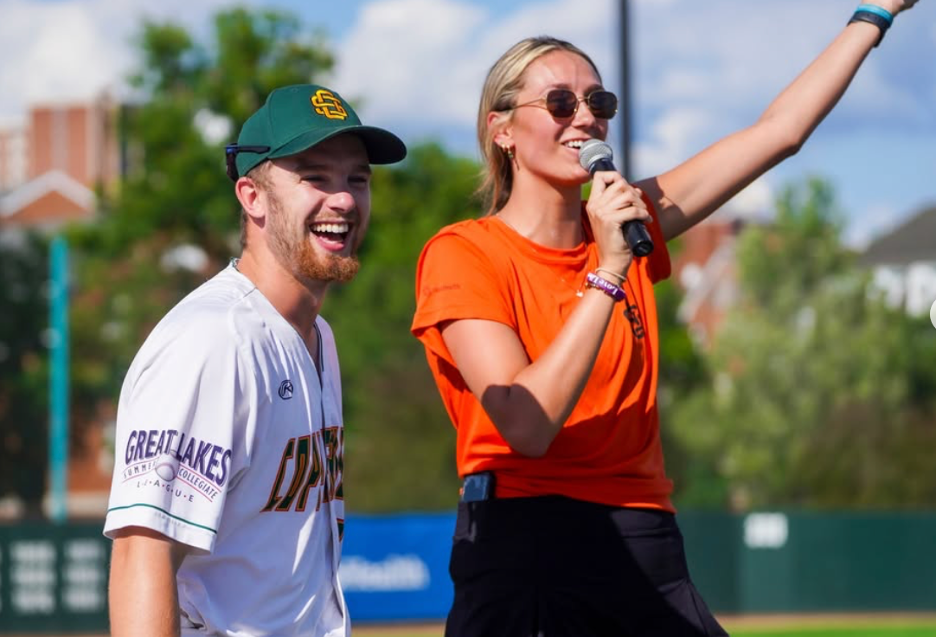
point(612, 290)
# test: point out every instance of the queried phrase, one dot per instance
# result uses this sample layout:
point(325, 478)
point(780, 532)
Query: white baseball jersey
point(230, 442)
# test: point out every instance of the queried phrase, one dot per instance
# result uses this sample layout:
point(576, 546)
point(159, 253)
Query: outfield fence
point(53, 578)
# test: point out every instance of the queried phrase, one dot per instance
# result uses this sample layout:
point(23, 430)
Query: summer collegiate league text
point(202, 465)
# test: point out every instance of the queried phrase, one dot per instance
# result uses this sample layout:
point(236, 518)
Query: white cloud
point(424, 61)
point(589, 24)
point(756, 202)
point(411, 59)
point(739, 55)
point(875, 221)
point(733, 54)
point(672, 140)
point(701, 69)
point(74, 49)
point(77, 61)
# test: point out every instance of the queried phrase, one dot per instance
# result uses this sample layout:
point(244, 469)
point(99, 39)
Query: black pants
point(553, 566)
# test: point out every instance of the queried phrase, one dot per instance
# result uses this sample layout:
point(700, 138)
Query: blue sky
point(701, 70)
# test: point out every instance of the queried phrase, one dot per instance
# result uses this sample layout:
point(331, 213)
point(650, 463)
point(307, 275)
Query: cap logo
point(327, 104)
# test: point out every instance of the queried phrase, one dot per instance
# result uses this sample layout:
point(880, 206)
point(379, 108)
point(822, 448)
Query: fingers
point(600, 181)
point(613, 199)
point(608, 181)
point(611, 204)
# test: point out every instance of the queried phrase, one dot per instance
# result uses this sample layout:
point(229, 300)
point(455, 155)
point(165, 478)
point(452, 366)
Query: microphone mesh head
point(593, 150)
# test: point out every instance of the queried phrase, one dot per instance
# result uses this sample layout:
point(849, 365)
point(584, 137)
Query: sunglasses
point(230, 156)
point(563, 103)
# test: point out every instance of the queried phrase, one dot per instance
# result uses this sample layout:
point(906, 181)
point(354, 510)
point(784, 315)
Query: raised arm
point(143, 596)
point(689, 193)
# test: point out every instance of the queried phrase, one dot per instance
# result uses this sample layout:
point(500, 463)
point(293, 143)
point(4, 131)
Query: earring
point(508, 151)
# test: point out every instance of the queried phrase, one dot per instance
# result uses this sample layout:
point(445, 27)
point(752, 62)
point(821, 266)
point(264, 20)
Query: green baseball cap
point(295, 118)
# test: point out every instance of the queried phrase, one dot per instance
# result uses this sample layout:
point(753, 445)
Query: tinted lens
point(231, 151)
point(602, 104)
point(231, 156)
point(561, 103)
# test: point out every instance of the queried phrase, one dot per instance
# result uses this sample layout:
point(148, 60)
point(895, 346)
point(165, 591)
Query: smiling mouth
point(332, 232)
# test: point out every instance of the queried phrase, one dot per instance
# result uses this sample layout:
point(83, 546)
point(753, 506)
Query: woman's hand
point(894, 6)
point(612, 203)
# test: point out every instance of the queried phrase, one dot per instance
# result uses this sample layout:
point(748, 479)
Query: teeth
point(330, 228)
point(573, 144)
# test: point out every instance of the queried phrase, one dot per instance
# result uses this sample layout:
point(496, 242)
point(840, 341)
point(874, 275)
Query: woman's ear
point(499, 124)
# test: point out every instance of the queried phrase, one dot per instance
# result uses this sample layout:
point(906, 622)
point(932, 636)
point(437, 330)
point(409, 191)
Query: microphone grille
point(593, 150)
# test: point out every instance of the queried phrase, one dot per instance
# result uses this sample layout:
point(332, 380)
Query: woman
point(540, 329)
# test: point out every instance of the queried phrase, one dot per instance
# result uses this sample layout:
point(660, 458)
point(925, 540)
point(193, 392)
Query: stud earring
point(508, 151)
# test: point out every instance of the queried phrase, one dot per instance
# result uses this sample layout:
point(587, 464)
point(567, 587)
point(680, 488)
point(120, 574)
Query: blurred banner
point(395, 567)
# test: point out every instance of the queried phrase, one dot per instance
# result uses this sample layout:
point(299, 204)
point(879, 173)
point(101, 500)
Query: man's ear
point(250, 197)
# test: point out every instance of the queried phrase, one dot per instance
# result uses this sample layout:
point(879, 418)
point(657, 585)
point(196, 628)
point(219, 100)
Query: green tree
point(23, 371)
point(682, 372)
point(400, 444)
point(175, 195)
point(176, 190)
point(818, 396)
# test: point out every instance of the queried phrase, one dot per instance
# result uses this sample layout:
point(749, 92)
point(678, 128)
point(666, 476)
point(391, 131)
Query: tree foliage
point(400, 444)
point(24, 371)
point(819, 393)
point(174, 198)
point(175, 187)
point(814, 392)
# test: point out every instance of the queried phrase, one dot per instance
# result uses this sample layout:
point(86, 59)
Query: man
point(226, 507)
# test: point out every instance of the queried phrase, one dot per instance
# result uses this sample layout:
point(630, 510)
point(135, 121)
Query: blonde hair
point(503, 83)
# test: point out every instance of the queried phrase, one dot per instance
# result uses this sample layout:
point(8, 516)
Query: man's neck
point(297, 302)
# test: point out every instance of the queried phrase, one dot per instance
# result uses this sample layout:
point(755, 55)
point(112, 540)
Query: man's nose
point(341, 200)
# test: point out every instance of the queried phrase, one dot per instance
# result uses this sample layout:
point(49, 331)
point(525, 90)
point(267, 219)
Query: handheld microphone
point(596, 155)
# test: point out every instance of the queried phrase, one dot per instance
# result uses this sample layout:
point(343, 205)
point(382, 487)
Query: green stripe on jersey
point(187, 522)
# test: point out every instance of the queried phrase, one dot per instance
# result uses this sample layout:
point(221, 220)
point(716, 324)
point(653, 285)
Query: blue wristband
point(879, 21)
point(873, 8)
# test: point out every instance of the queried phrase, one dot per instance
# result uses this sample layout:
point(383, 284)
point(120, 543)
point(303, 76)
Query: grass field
point(773, 625)
point(768, 625)
point(832, 625)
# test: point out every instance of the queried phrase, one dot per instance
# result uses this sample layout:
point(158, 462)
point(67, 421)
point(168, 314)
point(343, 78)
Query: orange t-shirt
point(608, 451)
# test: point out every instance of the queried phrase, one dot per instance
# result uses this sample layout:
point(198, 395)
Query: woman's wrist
point(619, 271)
point(613, 275)
point(873, 14)
point(893, 8)
point(609, 288)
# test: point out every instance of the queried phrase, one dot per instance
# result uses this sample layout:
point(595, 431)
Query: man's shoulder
point(208, 316)
point(220, 293)
point(214, 301)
